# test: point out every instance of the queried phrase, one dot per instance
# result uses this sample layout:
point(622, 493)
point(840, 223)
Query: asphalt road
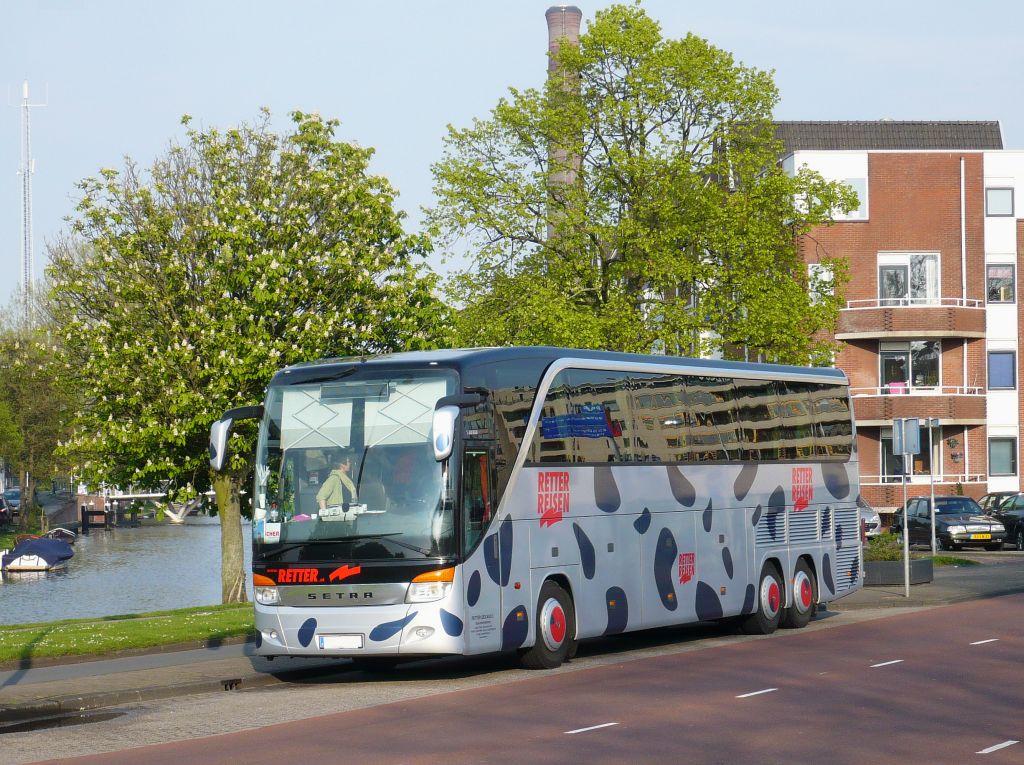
point(929, 686)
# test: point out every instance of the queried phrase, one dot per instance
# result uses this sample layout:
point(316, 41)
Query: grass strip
point(82, 637)
point(950, 560)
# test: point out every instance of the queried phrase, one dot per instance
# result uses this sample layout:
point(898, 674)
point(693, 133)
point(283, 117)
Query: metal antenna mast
point(26, 171)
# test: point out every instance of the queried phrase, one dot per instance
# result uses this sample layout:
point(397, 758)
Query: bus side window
point(477, 496)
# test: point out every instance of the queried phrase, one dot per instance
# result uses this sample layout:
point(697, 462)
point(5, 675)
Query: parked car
point(13, 498)
point(6, 516)
point(1010, 513)
point(871, 521)
point(991, 501)
point(959, 521)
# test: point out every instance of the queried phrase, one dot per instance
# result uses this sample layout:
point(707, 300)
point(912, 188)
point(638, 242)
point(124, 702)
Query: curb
point(59, 706)
point(85, 658)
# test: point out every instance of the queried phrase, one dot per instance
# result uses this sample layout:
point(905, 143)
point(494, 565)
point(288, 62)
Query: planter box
point(882, 572)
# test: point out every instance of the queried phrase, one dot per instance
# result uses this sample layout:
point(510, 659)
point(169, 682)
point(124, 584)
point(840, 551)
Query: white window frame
point(933, 282)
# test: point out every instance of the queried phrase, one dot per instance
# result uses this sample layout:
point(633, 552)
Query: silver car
point(870, 521)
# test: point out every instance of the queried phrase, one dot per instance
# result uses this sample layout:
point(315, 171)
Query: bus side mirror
point(446, 412)
point(443, 432)
point(220, 431)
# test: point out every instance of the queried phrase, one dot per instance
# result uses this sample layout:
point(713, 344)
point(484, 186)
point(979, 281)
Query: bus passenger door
point(482, 597)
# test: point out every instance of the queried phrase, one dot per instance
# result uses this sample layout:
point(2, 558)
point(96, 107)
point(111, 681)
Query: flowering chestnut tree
point(180, 290)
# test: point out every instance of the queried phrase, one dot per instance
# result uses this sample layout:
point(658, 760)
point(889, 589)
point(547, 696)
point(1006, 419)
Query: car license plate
point(981, 536)
point(340, 642)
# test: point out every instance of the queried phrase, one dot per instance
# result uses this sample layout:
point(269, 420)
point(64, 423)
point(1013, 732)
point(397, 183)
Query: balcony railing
point(902, 389)
point(853, 305)
point(922, 480)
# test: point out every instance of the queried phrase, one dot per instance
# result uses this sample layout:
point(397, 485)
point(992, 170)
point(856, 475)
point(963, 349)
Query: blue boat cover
point(53, 551)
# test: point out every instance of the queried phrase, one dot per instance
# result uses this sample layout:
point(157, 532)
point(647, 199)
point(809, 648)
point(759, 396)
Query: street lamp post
point(933, 422)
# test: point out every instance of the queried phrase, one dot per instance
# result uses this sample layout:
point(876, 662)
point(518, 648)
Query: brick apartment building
point(931, 323)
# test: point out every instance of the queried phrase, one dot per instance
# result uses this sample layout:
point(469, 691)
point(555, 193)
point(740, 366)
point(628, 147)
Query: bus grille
point(803, 526)
point(847, 549)
point(771, 528)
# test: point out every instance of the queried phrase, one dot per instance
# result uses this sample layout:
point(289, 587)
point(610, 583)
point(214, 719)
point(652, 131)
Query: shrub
point(884, 547)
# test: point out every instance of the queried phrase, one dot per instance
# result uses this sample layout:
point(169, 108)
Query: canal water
point(124, 571)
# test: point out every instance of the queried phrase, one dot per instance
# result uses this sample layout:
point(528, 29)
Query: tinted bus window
point(797, 422)
point(715, 430)
point(833, 432)
point(759, 421)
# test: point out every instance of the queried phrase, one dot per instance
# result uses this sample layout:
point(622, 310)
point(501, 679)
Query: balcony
point(885, 492)
point(877, 407)
point(911, 318)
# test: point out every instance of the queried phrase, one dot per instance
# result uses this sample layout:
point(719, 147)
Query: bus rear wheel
point(768, 611)
point(556, 629)
point(804, 596)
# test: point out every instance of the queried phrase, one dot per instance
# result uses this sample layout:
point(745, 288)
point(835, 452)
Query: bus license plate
point(340, 642)
point(981, 536)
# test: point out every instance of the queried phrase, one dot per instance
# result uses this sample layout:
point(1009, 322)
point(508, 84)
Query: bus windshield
point(345, 470)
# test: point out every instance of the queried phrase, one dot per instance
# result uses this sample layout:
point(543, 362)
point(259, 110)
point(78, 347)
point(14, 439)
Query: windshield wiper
point(289, 548)
point(406, 545)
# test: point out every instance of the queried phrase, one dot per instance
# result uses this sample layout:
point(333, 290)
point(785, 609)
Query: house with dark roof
point(931, 325)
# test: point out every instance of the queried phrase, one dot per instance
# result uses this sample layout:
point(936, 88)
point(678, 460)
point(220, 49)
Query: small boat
point(37, 555)
point(64, 535)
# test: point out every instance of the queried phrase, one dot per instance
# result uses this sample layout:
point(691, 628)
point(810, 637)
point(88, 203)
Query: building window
point(909, 365)
point(892, 464)
point(999, 202)
point(908, 278)
point(1002, 370)
point(1002, 456)
point(860, 212)
point(999, 283)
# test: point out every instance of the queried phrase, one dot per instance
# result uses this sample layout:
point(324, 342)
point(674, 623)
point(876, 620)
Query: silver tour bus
point(523, 499)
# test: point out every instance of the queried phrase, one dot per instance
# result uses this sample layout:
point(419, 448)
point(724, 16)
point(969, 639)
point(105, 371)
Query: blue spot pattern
point(839, 536)
point(588, 559)
point(643, 521)
point(306, 632)
point(664, 567)
point(505, 548)
point(826, 573)
point(837, 480)
point(748, 600)
point(682, 489)
point(826, 521)
point(618, 611)
point(451, 623)
point(744, 481)
point(727, 561)
point(756, 517)
point(776, 506)
point(390, 629)
point(513, 631)
point(473, 589)
point(707, 603)
point(606, 492)
point(491, 561)
point(706, 517)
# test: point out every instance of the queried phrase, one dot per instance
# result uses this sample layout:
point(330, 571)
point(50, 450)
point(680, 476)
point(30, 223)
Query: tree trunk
point(227, 487)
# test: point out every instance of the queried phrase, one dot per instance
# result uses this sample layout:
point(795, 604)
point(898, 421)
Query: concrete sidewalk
point(48, 689)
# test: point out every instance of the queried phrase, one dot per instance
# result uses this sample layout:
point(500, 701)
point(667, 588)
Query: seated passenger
point(338, 491)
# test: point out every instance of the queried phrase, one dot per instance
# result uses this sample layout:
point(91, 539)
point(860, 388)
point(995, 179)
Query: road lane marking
point(887, 663)
point(592, 727)
point(756, 693)
point(982, 642)
point(997, 747)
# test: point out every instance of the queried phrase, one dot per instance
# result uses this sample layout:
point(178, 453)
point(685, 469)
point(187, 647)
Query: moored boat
point(37, 555)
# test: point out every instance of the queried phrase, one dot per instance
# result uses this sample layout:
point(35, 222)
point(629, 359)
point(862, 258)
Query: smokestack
point(563, 22)
point(563, 26)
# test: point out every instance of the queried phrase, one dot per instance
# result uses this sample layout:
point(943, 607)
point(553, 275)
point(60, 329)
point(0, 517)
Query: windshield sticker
point(803, 488)
point(272, 533)
point(552, 496)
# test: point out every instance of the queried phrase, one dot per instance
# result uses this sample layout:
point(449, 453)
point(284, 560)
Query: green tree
point(180, 292)
point(35, 410)
point(637, 203)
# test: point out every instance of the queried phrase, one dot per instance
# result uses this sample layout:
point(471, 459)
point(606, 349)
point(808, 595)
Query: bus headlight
point(433, 585)
point(267, 596)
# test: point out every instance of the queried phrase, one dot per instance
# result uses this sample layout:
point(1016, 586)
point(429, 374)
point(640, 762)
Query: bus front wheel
point(768, 611)
point(803, 597)
point(556, 629)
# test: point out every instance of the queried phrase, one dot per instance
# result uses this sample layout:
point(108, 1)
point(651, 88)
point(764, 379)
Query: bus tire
point(556, 629)
point(768, 610)
point(803, 597)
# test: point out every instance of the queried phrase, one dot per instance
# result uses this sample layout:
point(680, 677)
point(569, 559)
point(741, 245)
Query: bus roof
point(462, 359)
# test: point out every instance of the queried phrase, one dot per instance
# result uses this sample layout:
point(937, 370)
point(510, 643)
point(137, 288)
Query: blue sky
point(118, 75)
